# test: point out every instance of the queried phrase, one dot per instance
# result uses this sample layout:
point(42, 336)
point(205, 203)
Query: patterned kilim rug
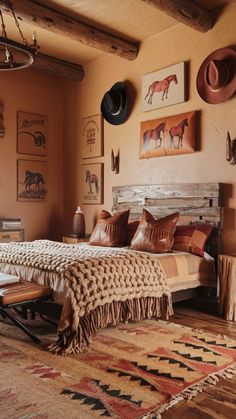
point(133, 371)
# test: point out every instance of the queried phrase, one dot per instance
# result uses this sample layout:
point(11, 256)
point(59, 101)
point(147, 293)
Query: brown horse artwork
point(154, 134)
point(178, 131)
point(92, 179)
point(160, 86)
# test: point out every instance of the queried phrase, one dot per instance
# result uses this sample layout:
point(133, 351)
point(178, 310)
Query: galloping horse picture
point(160, 86)
point(168, 136)
point(178, 131)
point(163, 87)
point(154, 134)
point(92, 183)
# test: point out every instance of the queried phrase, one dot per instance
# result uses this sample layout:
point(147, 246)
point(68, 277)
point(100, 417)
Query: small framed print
point(31, 180)
point(92, 136)
point(163, 87)
point(32, 134)
point(168, 136)
point(92, 183)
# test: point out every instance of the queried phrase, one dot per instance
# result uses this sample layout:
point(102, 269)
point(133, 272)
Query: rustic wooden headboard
point(196, 202)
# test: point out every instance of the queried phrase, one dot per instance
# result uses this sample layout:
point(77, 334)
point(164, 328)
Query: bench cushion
point(21, 292)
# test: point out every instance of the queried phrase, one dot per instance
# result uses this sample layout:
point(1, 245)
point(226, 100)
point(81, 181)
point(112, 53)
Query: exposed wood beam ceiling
point(187, 12)
point(64, 23)
point(41, 16)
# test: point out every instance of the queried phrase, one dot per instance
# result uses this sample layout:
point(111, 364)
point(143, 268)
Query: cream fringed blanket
point(105, 285)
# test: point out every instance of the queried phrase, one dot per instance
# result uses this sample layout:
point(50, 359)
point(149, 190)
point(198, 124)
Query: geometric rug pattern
point(132, 371)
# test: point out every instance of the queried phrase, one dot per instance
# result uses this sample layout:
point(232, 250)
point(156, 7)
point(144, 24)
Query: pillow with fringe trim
point(110, 230)
point(192, 238)
point(155, 236)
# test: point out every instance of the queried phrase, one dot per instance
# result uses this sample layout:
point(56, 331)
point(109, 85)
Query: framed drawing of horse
point(168, 135)
point(164, 87)
point(91, 136)
point(31, 180)
point(92, 183)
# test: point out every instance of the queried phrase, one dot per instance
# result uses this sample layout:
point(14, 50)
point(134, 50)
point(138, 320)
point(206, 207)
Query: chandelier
point(15, 55)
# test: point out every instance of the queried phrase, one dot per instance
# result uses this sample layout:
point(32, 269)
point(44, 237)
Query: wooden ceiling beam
point(56, 67)
point(34, 13)
point(187, 12)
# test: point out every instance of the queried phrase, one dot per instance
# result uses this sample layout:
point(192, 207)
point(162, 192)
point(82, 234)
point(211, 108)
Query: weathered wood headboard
point(196, 202)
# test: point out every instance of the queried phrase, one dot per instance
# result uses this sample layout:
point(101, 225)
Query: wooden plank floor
point(215, 402)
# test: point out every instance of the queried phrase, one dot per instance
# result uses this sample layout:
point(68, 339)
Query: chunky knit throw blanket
point(105, 285)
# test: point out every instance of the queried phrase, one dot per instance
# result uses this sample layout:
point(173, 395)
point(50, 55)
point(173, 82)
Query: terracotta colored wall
point(31, 91)
point(207, 165)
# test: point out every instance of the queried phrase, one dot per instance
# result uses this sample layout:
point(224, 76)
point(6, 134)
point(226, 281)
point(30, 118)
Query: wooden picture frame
point(91, 132)
point(32, 134)
point(168, 135)
point(2, 127)
point(92, 183)
point(164, 87)
point(31, 180)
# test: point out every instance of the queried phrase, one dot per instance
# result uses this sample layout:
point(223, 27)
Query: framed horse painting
point(164, 87)
point(31, 180)
point(168, 135)
point(92, 183)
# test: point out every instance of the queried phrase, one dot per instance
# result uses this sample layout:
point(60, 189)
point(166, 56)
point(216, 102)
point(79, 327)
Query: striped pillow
point(192, 238)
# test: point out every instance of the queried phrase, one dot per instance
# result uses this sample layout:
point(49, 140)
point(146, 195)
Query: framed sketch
point(91, 130)
point(31, 180)
point(163, 87)
point(32, 134)
point(2, 127)
point(168, 136)
point(92, 183)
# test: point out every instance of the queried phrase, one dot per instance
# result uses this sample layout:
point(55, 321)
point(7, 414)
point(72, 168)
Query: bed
point(135, 285)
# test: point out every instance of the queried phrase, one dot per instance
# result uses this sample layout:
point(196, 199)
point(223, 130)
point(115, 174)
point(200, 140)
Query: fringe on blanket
point(73, 341)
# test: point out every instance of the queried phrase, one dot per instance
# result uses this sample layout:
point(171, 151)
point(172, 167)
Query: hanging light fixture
point(14, 55)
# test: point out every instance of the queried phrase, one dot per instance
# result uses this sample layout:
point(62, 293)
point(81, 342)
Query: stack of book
point(11, 223)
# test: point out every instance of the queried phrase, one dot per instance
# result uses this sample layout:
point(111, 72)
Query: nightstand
point(227, 282)
point(11, 235)
point(73, 239)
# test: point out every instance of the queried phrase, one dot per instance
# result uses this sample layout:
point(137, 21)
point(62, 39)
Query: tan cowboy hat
point(216, 78)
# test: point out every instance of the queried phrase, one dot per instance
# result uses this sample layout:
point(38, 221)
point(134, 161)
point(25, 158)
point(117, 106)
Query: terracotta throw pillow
point(110, 230)
point(155, 236)
point(192, 238)
point(131, 230)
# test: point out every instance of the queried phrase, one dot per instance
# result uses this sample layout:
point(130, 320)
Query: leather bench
point(19, 294)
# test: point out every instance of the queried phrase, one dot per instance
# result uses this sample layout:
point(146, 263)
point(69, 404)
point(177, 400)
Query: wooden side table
point(227, 279)
point(73, 239)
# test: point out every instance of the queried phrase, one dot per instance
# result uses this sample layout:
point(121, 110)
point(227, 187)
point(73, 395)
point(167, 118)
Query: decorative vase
point(79, 223)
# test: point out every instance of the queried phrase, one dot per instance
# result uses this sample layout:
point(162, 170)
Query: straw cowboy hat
point(216, 78)
point(114, 105)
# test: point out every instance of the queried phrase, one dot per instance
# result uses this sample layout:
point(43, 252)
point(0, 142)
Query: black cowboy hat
point(114, 105)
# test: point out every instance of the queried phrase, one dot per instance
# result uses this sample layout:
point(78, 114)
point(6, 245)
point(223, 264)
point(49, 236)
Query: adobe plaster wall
point(207, 165)
point(34, 92)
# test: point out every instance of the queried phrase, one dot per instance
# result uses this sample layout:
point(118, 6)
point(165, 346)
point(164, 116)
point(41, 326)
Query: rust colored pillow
point(155, 236)
point(110, 230)
point(192, 238)
point(131, 230)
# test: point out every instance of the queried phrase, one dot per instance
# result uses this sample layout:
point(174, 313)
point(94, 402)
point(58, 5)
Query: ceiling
point(132, 20)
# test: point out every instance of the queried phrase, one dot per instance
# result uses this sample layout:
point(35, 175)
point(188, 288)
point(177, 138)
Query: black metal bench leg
point(20, 325)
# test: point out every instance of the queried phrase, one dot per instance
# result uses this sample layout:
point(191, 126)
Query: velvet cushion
point(155, 236)
point(131, 230)
point(110, 230)
point(192, 238)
